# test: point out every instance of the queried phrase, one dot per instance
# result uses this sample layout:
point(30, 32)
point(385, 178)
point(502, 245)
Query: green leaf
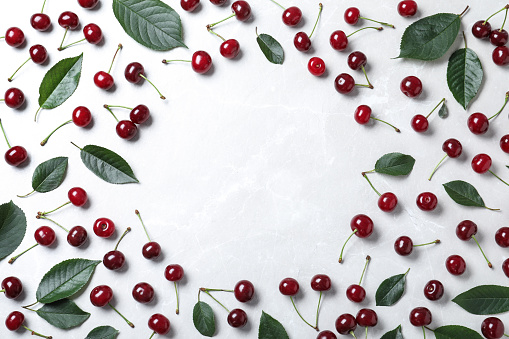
point(49, 175)
point(13, 225)
point(65, 279)
point(103, 332)
point(203, 319)
point(431, 37)
point(63, 314)
point(270, 328)
point(464, 75)
point(464, 193)
point(271, 48)
point(456, 332)
point(107, 165)
point(394, 334)
point(443, 113)
point(391, 290)
point(484, 299)
point(151, 23)
point(60, 82)
point(395, 164)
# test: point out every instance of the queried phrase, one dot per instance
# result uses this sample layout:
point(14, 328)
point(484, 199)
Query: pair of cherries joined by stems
point(498, 37)
point(347, 323)
point(70, 21)
point(127, 129)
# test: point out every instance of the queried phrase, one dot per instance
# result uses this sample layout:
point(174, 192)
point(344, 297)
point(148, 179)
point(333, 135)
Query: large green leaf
point(395, 164)
point(63, 314)
point(391, 290)
point(270, 328)
point(394, 334)
point(271, 48)
point(203, 319)
point(464, 75)
point(13, 225)
point(107, 165)
point(485, 299)
point(49, 175)
point(464, 194)
point(431, 37)
point(103, 332)
point(65, 279)
point(60, 82)
point(456, 332)
point(152, 23)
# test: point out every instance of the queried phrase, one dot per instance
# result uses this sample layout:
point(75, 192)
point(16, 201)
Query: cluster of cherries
point(498, 37)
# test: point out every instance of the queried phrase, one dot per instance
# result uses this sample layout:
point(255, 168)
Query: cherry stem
point(368, 258)
point(504, 8)
point(381, 23)
point(53, 210)
point(433, 110)
point(37, 112)
point(318, 310)
point(211, 31)
point(153, 333)
point(13, 259)
point(505, 19)
point(5, 136)
point(16, 71)
point(363, 85)
point(484, 255)
point(353, 334)
point(53, 221)
point(150, 82)
point(177, 293)
point(366, 332)
point(122, 237)
point(37, 334)
point(436, 167)
point(496, 176)
point(370, 184)
point(61, 43)
point(120, 314)
point(215, 290)
point(72, 43)
point(210, 295)
point(429, 243)
point(81, 149)
point(129, 108)
point(212, 25)
point(318, 18)
point(2, 37)
point(464, 11)
point(2, 291)
point(424, 332)
point(142, 223)
point(343, 248)
point(114, 56)
point(503, 106)
point(295, 306)
point(168, 61)
point(377, 28)
point(26, 195)
point(45, 141)
point(366, 75)
point(385, 122)
point(278, 4)
point(27, 306)
point(43, 4)
point(108, 108)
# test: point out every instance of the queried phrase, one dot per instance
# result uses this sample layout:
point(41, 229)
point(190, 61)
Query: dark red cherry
point(338, 40)
point(321, 283)
point(104, 227)
point(362, 224)
point(159, 324)
point(411, 86)
point(481, 163)
point(237, 318)
point(40, 21)
point(420, 123)
point(292, 16)
point(387, 202)
point(201, 62)
point(356, 293)
point(478, 123)
point(504, 143)
point(366, 318)
point(427, 201)
point(139, 114)
point(14, 97)
point(316, 66)
point(189, 5)
point(133, 71)
point(45, 236)
point(502, 237)
point(93, 33)
point(500, 56)
point(362, 114)
point(404, 245)
point(38, 54)
point(433, 290)
point(302, 42)
point(346, 323)
point(126, 129)
point(357, 60)
point(481, 29)
point(143, 293)
point(455, 265)
point(407, 8)
point(492, 328)
point(466, 229)
point(499, 37)
point(344, 83)
point(16, 155)
point(12, 287)
point(352, 15)
point(174, 272)
point(14, 321)
point(452, 148)
point(114, 260)
point(77, 236)
point(505, 267)
point(151, 250)
point(229, 48)
point(77, 196)
point(218, 2)
point(81, 116)
point(420, 316)
point(89, 4)
point(103, 80)
point(14, 37)
point(289, 286)
point(68, 20)
point(244, 291)
point(101, 295)
point(242, 10)
point(326, 335)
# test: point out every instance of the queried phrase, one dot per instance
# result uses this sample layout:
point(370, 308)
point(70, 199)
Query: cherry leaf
point(203, 319)
point(394, 334)
point(464, 75)
point(49, 174)
point(13, 225)
point(270, 328)
point(63, 314)
point(464, 194)
point(456, 332)
point(103, 332)
point(272, 49)
point(395, 164)
point(484, 300)
point(391, 290)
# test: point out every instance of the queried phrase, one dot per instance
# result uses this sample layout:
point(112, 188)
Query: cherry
point(481, 163)
point(387, 202)
point(77, 196)
point(229, 48)
point(114, 260)
point(411, 86)
point(174, 273)
point(292, 16)
point(77, 236)
point(44, 236)
point(14, 321)
point(93, 33)
point(321, 283)
point(68, 20)
point(407, 8)
point(143, 293)
point(38, 55)
point(362, 116)
point(357, 60)
point(104, 80)
point(189, 5)
point(500, 56)
point(326, 335)
point(433, 290)
point(289, 286)
point(492, 328)
point(339, 40)
point(244, 291)
point(467, 230)
point(427, 201)
point(404, 245)
point(14, 37)
point(40, 21)
point(12, 287)
point(89, 4)
point(81, 117)
point(218, 2)
point(15, 155)
point(481, 29)
point(301, 40)
point(504, 143)
point(316, 66)
point(151, 250)
point(126, 129)
point(241, 10)
point(505, 267)
point(101, 296)
point(420, 316)
point(159, 324)
point(237, 318)
point(104, 227)
point(201, 62)
point(502, 237)
point(455, 264)
point(362, 226)
point(499, 37)
point(357, 293)
point(367, 318)
point(14, 98)
point(478, 123)
point(344, 83)
point(352, 16)
point(346, 324)
point(452, 149)
point(134, 72)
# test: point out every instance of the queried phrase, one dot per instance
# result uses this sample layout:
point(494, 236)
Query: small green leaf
point(391, 290)
point(107, 165)
point(49, 175)
point(65, 279)
point(151, 23)
point(270, 328)
point(271, 48)
point(456, 332)
point(484, 299)
point(395, 164)
point(60, 82)
point(443, 113)
point(63, 314)
point(464, 75)
point(464, 194)
point(431, 37)
point(394, 334)
point(103, 332)
point(13, 225)
point(203, 319)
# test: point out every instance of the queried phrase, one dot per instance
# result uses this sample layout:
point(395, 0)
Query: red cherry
point(492, 328)
point(143, 293)
point(139, 114)
point(38, 54)
point(404, 246)
point(452, 148)
point(387, 202)
point(104, 227)
point(500, 56)
point(189, 5)
point(45, 236)
point(229, 48)
point(101, 295)
point(114, 260)
point(302, 42)
point(174, 272)
point(505, 267)
point(77, 196)
point(93, 33)
point(427, 201)
point(133, 71)
point(499, 37)
point(126, 129)
point(411, 86)
point(292, 16)
point(68, 20)
point(481, 29)
point(81, 116)
point(159, 324)
point(356, 293)
point(316, 66)
point(357, 60)
point(103, 80)
point(321, 283)
point(352, 15)
point(504, 143)
point(366, 318)
point(218, 2)
point(344, 83)
point(502, 237)
point(362, 114)
point(362, 225)
point(478, 123)
point(289, 286)
point(16, 155)
point(407, 8)
point(14, 321)
point(466, 230)
point(346, 324)
point(455, 265)
point(420, 123)
point(12, 287)
point(338, 40)
point(481, 163)
point(151, 250)
point(326, 335)
point(434, 290)
point(14, 98)
point(89, 4)
point(242, 10)
point(244, 291)
point(237, 318)
point(201, 62)
point(40, 22)
point(77, 236)
point(420, 316)
point(14, 37)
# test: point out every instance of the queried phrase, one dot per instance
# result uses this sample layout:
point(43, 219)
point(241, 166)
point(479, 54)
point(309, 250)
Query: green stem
point(142, 223)
point(122, 237)
point(485, 21)
point(278, 4)
point(114, 56)
point(436, 167)
point(2, 37)
point(385, 122)
point(318, 310)
point(505, 19)
point(61, 43)
point(484, 255)
point(353, 334)
point(503, 106)
point(424, 332)
point(2, 291)
point(216, 290)
point(13, 259)
point(72, 43)
point(5, 136)
point(368, 258)
point(379, 22)
point(150, 82)
point(433, 110)
point(370, 184)
point(81, 149)
point(120, 107)
point(492, 209)
point(53, 210)
point(153, 333)
point(294, 306)
point(366, 75)
point(27, 306)
point(26, 195)
point(377, 28)
point(16, 71)
point(177, 293)
point(211, 31)
point(343, 248)
point(428, 243)
point(37, 112)
point(363, 85)
point(46, 140)
point(108, 108)
point(120, 314)
point(496, 176)
point(212, 25)
point(36, 334)
point(318, 18)
point(217, 301)
point(168, 61)
point(53, 221)
point(366, 332)
point(43, 4)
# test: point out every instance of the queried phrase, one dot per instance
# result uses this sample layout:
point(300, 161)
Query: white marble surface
point(253, 170)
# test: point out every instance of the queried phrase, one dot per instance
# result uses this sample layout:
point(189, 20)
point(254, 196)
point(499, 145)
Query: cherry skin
point(40, 22)
point(139, 114)
point(352, 15)
point(338, 40)
point(504, 143)
point(38, 54)
point(12, 286)
point(427, 201)
point(77, 236)
point(68, 20)
point(466, 230)
point(481, 30)
point(433, 290)
point(103, 80)
point(151, 250)
point(237, 318)
point(346, 323)
point(455, 265)
point(478, 123)
point(363, 224)
point(77, 196)
point(81, 116)
point(143, 293)
point(89, 4)
point(174, 273)
point(14, 321)
point(502, 237)
point(16, 155)
point(101, 295)
point(505, 267)
point(114, 260)
point(244, 291)
point(344, 83)
point(133, 71)
point(356, 293)
point(189, 5)
point(411, 86)
point(407, 8)
point(218, 2)
point(326, 335)
point(387, 202)
point(159, 324)
point(420, 123)
point(14, 37)
point(404, 245)
point(357, 60)
point(14, 98)
point(229, 48)
point(242, 10)
point(366, 318)
point(481, 163)
point(420, 316)
point(45, 236)
point(321, 283)
point(201, 62)
point(104, 227)
point(492, 328)
point(126, 129)
point(452, 148)
point(316, 66)
point(289, 286)
point(292, 16)
point(499, 37)
point(362, 114)
point(302, 42)
point(500, 56)
point(93, 33)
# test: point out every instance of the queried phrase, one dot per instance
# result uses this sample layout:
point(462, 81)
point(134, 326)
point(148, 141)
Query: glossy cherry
point(88, 4)
point(244, 291)
point(77, 196)
point(189, 5)
point(500, 56)
point(151, 250)
point(93, 33)
point(126, 129)
point(339, 40)
point(478, 123)
point(467, 230)
point(362, 227)
point(143, 293)
point(104, 227)
point(229, 48)
point(326, 335)
point(387, 202)
point(344, 83)
point(241, 10)
point(159, 324)
point(411, 86)
point(292, 16)
point(237, 318)
point(289, 286)
point(455, 265)
point(12, 287)
point(505, 267)
point(362, 116)
point(134, 72)
point(114, 260)
point(14, 98)
point(316, 66)
point(357, 60)
point(352, 16)
point(407, 8)
point(45, 236)
point(404, 245)
point(201, 62)
point(481, 163)
point(321, 283)
point(420, 316)
point(433, 290)
point(40, 21)
point(101, 296)
point(492, 328)
point(104, 80)
point(366, 318)
point(15, 155)
point(14, 321)
point(499, 37)
point(502, 237)
point(481, 29)
point(452, 149)
point(81, 116)
point(174, 273)
point(427, 201)
point(346, 324)
point(14, 37)
point(302, 41)
point(504, 143)
point(38, 55)
point(356, 292)
point(420, 123)
point(68, 20)
point(77, 236)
